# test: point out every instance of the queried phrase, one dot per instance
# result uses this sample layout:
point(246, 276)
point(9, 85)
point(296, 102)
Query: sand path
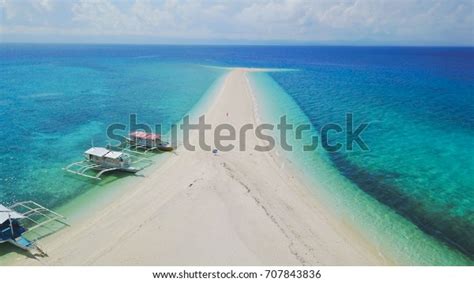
point(236, 208)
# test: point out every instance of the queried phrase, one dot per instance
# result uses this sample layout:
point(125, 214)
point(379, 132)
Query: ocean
point(411, 193)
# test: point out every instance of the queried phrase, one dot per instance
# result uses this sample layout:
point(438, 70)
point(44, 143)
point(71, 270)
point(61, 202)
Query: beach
point(199, 208)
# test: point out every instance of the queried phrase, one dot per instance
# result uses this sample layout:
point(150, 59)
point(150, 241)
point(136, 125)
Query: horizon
point(270, 22)
point(232, 45)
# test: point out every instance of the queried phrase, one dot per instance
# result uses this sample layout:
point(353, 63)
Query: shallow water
point(420, 114)
point(396, 238)
point(56, 105)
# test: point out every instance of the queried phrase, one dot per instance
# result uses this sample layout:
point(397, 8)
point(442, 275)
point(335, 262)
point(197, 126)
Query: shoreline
point(266, 214)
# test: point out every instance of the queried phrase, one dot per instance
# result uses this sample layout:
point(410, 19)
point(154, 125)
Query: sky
point(347, 22)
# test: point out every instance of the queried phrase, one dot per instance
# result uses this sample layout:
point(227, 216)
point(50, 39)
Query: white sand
point(237, 208)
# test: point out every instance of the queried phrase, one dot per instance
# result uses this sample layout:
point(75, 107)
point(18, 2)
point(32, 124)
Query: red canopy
point(144, 135)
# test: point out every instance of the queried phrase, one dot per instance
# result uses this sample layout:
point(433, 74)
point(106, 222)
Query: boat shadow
point(8, 249)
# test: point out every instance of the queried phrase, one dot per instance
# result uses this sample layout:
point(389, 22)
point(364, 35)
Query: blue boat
point(15, 218)
point(11, 230)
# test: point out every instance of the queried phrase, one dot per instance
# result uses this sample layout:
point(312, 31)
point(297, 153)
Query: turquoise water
point(396, 239)
point(53, 108)
point(411, 193)
point(420, 163)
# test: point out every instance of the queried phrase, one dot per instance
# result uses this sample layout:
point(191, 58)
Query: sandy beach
point(233, 208)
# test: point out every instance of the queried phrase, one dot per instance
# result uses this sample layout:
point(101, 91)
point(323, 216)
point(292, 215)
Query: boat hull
point(124, 169)
point(166, 147)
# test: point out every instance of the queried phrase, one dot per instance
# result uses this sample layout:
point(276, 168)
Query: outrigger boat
point(105, 160)
point(148, 141)
point(23, 218)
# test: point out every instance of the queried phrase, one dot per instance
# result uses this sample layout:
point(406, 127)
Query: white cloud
point(102, 15)
point(303, 20)
point(46, 5)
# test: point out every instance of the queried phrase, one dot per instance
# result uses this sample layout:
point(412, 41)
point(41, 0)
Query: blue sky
point(348, 22)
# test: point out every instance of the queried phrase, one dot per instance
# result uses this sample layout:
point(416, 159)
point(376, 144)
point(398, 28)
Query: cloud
point(382, 21)
point(102, 16)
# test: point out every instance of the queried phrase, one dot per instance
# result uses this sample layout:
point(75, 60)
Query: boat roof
point(103, 153)
point(114, 155)
point(145, 135)
point(6, 213)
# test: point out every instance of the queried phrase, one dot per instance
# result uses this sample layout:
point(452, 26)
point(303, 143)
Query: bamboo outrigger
point(20, 220)
point(105, 160)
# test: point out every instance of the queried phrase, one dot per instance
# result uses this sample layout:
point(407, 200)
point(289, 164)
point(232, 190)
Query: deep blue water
point(418, 102)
